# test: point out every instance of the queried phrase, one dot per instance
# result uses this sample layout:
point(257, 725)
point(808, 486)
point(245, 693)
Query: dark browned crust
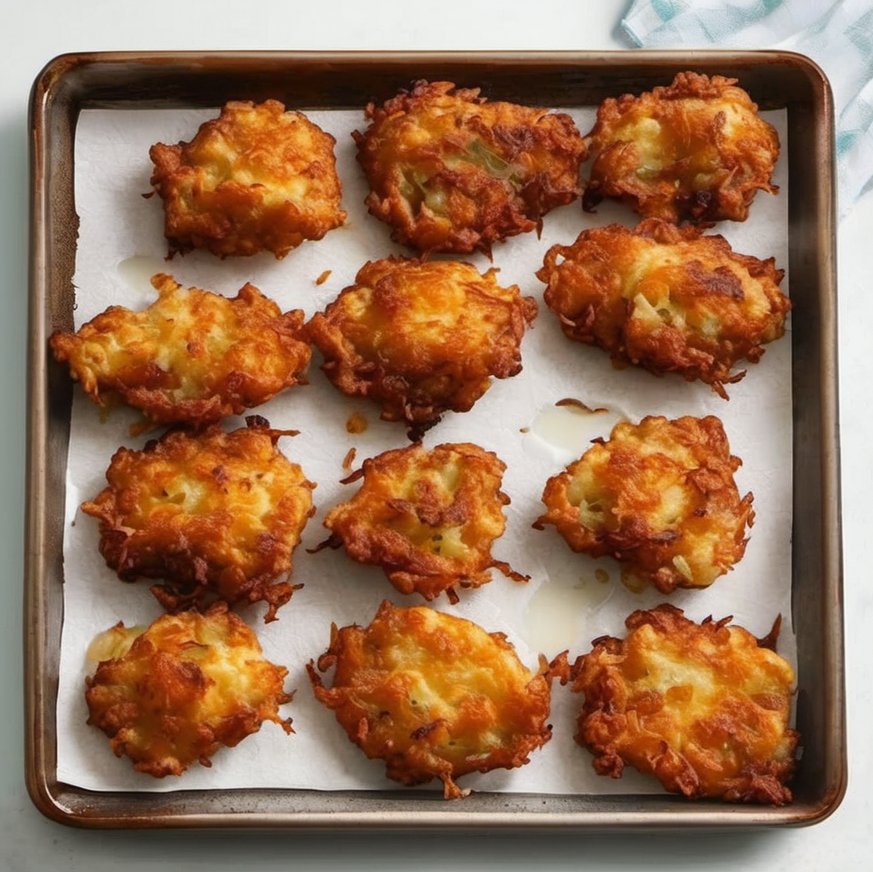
point(427, 517)
point(717, 727)
point(257, 178)
point(225, 355)
point(434, 696)
point(711, 154)
point(219, 542)
point(667, 299)
point(420, 338)
point(450, 171)
point(658, 496)
point(164, 707)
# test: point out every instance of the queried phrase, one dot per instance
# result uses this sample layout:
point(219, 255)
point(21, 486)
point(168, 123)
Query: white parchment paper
point(564, 605)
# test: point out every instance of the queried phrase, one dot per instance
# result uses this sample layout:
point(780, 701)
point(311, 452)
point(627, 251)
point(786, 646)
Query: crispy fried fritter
point(173, 694)
point(660, 497)
point(257, 178)
point(215, 516)
point(450, 171)
point(191, 357)
point(702, 707)
point(667, 299)
point(420, 338)
point(427, 517)
point(696, 149)
point(434, 696)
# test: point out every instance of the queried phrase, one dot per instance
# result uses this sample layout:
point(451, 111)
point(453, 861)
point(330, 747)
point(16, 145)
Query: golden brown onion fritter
point(257, 178)
point(667, 299)
point(702, 707)
point(427, 517)
point(214, 516)
point(420, 338)
point(660, 497)
point(450, 171)
point(191, 357)
point(696, 149)
point(434, 696)
point(173, 694)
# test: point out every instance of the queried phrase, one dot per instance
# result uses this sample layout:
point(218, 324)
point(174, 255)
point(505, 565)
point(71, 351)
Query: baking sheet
point(564, 605)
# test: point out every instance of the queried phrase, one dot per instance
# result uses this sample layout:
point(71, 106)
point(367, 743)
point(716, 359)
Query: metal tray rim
point(52, 94)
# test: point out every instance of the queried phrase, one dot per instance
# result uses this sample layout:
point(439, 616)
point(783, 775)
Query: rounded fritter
point(427, 517)
point(434, 696)
point(696, 149)
point(173, 694)
point(215, 516)
point(420, 338)
point(450, 171)
point(191, 357)
point(702, 707)
point(660, 497)
point(666, 298)
point(257, 178)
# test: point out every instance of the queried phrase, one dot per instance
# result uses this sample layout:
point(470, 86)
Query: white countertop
point(32, 35)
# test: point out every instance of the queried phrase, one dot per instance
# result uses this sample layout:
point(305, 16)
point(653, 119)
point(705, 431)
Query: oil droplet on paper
point(563, 431)
point(137, 271)
point(556, 613)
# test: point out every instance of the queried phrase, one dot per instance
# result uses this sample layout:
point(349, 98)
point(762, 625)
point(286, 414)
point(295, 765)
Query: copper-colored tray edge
point(54, 799)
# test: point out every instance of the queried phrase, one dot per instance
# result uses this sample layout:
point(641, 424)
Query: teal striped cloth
point(838, 36)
